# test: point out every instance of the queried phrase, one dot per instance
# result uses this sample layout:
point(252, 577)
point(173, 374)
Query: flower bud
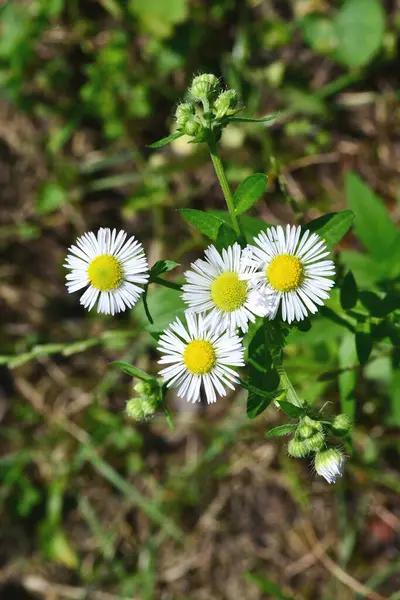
point(149, 406)
point(298, 448)
point(134, 409)
point(329, 464)
point(142, 388)
point(192, 127)
point(315, 442)
point(341, 424)
point(183, 113)
point(204, 87)
point(312, 423)
point(226, 103)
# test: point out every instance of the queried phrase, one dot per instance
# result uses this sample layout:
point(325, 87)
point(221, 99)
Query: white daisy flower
point(290, 271)
point(199, 357)
point(110, 267)
point(329, 464)
point(218, 285)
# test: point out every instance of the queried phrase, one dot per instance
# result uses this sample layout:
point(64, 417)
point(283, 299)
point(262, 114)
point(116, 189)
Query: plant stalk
point(220, 172)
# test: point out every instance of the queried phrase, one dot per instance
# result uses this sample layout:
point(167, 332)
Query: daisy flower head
point(199, 357)
point(109, 267)
point(219, 286)
point(290, 271)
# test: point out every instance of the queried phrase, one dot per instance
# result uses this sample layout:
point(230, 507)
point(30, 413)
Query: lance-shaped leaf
point(332, 226)
point(206, 223)
point(249, 191)
point(162, 266)
point(265, 119)
point(281, 430)
point(348, 292)
point(166, 140)
point(131, 370)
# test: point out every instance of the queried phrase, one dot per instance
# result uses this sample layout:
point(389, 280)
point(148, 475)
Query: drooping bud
point(204, 87)
point(298, 448)
point(226, 104)
point(329, 464)
point(183, 113)
point(341, 425)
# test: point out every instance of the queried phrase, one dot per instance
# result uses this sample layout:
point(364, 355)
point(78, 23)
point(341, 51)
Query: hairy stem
point(219, 170)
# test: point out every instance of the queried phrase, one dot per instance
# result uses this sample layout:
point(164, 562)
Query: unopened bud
point(341, 424)
point(183, 113)
point(226, 103)
point(149, 406)
point(329, 464)
point(298, 448)
point(134, 409)
point(308, 427)
point(204, 87)
point(142, 387)
point(192, 127)
point(316, 442)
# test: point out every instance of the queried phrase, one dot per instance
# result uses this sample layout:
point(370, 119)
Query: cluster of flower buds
point(144, 406)
point(206, 111)
point(217, 106)
point(311, 439)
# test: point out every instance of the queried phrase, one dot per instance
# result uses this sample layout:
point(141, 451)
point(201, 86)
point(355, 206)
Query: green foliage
point(348, 292)
point(281, 430)
point(333, 226)
point(359, 25)
point(248, 192)
point(352, 37)
point(372, 224)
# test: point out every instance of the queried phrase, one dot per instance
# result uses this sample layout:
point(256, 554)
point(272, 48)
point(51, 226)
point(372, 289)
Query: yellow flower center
point(228, 292)
point(199, 357)
point(285, 273)
point(105, 273)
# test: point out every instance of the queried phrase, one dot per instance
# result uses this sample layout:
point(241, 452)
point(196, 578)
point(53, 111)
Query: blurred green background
point(92, 506)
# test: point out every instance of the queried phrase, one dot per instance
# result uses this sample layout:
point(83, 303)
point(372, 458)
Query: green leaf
point(332, 226)
point(360, 27)
point(251, 226)
point(348, 376)
point(281, 430)
point(166, 140)
point(132, 370)
point(290, 409)
point(249, 191)
point(162, 266)
point(348, 292)
point(50, 197)
point(225, 238)
point(366, 271)
point(364, 342)
point(372, 224)
point(205, 222)
point(263, 380)
point(157, 16)
point(395, 399)
point(258, 400)
point(164, 305)
point(265, 119)
point(319, 33)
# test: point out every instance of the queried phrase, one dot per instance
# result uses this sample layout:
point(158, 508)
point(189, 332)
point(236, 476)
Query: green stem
point(166, 283)
point(219, 170)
